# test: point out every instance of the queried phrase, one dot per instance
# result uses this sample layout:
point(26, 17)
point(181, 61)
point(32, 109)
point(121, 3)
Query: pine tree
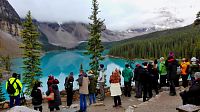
point(31, 54)
point(95, 47)
point(81, 67)
point(197, 21)
point(6, 62)
point(2, 98)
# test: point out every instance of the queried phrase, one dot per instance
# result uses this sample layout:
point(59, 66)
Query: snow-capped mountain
point(165, 14)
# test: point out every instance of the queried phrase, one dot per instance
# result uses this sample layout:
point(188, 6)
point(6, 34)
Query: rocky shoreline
point(117, 57)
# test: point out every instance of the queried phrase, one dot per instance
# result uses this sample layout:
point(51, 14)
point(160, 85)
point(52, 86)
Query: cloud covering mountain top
point(118, 14)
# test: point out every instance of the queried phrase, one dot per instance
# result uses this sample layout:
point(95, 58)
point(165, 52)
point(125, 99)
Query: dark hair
point(127, 65)
point(101, 65)
point(155, 61)
point(145, 63)
point(14, 75)
point(38, 84)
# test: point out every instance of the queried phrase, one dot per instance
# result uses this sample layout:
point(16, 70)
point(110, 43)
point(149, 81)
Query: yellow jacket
point(184, 67)
point(17, 92)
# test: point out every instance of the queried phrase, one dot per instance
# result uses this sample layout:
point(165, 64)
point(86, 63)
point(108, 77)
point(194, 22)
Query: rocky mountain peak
point(7, 12)
point(9, 19)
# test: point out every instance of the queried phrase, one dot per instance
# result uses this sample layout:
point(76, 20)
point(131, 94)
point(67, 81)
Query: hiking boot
point(114, 105)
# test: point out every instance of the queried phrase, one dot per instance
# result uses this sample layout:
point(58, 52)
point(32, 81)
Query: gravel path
point(160, 103)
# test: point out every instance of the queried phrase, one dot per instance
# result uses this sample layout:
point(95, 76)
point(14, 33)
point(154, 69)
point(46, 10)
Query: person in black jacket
point(171, 66)
point(137, 78)
point(53, 88)
point(36, 95)
point(146, 82)
point(155, 76)
point(193, 95)
point(69, 88)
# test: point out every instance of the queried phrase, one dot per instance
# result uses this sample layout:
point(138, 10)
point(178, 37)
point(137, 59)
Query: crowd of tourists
point(149, 78)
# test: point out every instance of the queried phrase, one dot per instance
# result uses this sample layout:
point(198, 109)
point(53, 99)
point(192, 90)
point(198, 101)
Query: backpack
point(10, 87)
point(80, 80)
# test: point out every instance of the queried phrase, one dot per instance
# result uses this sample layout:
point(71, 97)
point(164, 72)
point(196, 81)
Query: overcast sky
point(118, 14)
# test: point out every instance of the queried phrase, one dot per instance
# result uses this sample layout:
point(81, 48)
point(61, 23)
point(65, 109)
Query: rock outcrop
point(9, 19)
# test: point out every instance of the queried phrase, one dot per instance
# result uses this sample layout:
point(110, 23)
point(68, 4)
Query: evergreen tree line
point(184, 42)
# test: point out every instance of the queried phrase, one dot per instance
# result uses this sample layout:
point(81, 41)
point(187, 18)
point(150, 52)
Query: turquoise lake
point(61, 63)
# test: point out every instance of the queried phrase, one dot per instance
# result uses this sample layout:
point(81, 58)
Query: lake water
point(61, 63)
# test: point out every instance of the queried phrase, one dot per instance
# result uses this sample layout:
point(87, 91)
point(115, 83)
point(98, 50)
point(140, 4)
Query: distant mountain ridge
point(69, 35)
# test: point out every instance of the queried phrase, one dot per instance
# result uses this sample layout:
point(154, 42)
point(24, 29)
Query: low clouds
point(118, 14)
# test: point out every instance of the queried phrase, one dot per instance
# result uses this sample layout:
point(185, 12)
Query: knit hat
point(194, 59)
point(55, 81)
point(51, 77)
point(138, 65)
point(171, 54)
point(101, 66)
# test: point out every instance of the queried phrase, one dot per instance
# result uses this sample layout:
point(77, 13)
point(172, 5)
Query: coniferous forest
point(184, 42)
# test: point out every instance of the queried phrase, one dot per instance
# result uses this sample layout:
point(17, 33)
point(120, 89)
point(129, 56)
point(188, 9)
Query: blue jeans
point(83, 102)
point(92, 98)
point(17, 101)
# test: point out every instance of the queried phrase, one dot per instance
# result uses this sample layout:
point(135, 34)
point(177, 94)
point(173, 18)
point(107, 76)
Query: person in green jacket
point(18, 88)
point(92, 87)
point(128, 75)
point(163, 72)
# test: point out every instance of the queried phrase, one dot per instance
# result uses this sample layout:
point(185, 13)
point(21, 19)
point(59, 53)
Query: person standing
point(36, 95)
point(14, 88)
point(56, 101)
point(84, 82)
point(163, 72)
point(92, 87)
point(155, 76)
point(146, 82)
point(69, 88)
point(128, 75)
point(115, 88)
point(194, 67)
point(184, 72)
point(171, 65)
point(101, 81)
point(137, 78)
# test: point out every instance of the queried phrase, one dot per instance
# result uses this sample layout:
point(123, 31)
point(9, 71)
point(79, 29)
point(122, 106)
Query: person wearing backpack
point(36, 95)
point(69, 88)
point(14, 88)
